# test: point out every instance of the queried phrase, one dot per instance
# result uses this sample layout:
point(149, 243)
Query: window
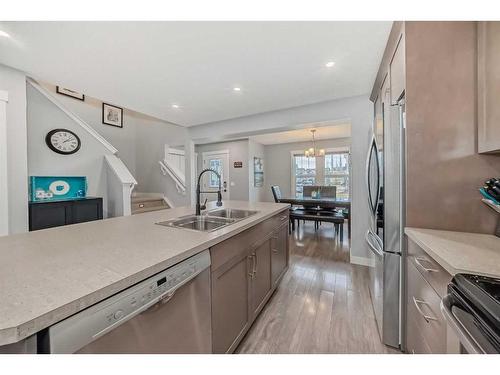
point(216, 165)
point(337, 173)
point(305, 172)
point(329, 170)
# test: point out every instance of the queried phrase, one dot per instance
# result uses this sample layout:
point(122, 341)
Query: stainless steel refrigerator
point(385, 177)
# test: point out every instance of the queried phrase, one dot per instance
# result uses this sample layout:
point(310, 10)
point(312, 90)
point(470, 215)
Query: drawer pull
point(283, 217)
point(417, 303)
point(252, 272)
point(418, 260)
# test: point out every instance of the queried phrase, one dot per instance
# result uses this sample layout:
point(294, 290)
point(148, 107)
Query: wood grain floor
point(322, 304)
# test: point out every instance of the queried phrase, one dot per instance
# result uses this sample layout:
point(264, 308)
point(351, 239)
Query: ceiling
point(304, 135)
point(150, 66)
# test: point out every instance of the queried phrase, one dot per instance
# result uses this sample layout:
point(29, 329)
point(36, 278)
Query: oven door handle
point(465, 339)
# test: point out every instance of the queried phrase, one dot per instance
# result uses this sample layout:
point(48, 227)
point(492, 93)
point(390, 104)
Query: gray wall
point(279, 166)
point(256, 194)
point(14, 82)
point(151, 137)
point(44, 116)
point(140, 143)
point(238, 151)
point(358, 111)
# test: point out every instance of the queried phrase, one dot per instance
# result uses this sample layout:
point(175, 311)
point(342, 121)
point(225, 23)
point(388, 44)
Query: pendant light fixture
point(313, 151)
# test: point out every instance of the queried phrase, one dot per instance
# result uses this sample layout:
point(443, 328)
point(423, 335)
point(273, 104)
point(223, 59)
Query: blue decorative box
point(50, 188)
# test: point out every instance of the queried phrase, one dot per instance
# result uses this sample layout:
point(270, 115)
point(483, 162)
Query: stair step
point(145, 202)
point(149, 204)
point(149, 209)
point(146, 197)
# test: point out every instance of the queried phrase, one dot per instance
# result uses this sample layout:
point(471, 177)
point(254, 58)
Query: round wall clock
point(63, 141)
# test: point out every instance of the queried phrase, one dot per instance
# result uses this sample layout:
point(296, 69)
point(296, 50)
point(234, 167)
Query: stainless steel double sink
point(209, 221)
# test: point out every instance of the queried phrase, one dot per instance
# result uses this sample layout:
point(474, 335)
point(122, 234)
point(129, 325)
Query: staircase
point(146, 202)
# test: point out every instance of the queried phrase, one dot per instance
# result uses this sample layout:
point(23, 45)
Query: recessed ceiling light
point(329, 64)
point(4, 34)
point(175, 106)
point(237, 89)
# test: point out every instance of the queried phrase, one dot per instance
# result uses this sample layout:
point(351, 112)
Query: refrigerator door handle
point(374, 246)
point(373, 150)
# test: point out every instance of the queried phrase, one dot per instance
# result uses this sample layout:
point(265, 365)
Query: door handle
point(224, 184)
point(417, 303)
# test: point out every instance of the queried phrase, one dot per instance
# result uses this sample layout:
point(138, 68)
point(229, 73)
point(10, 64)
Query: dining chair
point(276, 193)
point(328, 192)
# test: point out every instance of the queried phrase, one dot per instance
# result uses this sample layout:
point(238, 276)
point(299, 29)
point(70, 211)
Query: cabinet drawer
point(232, 247)
point(279, 219)
point(423, 308)
point(415, 343)
point(435, 275)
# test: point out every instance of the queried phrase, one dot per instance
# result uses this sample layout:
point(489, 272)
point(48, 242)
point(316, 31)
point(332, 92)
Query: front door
point(218, 161)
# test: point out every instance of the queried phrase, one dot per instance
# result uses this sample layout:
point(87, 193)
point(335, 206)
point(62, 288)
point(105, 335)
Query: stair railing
point(167, 167)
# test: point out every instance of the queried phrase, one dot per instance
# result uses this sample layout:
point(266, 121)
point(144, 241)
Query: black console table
point(44, 215)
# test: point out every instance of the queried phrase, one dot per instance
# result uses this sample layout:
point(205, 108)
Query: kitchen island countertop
point(48, 275)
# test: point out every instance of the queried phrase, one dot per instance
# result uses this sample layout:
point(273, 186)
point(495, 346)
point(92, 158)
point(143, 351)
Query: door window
point(216, 165)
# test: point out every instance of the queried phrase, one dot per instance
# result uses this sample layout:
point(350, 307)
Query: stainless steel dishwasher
point(166, 313)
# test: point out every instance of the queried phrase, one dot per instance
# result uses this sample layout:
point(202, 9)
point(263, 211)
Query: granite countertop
point(48, 275)
point(460, 252)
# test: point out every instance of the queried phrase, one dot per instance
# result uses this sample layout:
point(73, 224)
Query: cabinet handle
point(417, 303)
point(418, 260)
point(283, 217)
point(252, 273)
point(255, 264)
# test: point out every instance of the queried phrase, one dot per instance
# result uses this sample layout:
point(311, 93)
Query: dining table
point(322, 203)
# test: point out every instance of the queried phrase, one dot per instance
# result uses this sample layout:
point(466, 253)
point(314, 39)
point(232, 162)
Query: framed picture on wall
point(70, 93)
point(258, 172)
point(112, 115)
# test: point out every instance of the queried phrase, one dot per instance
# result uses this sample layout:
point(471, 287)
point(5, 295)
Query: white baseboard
point(362, 261)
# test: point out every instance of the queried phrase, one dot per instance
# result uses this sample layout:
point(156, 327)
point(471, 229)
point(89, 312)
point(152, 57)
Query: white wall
point(358, 111)
point(256, 194)
point(14, 82)
point(279, 166)
point(140, 143)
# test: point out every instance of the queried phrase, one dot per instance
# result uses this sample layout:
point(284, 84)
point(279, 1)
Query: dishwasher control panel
point(154, 289)
point(92, 323)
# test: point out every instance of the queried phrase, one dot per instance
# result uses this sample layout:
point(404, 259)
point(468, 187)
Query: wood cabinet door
point(49, 214)
point(261, 279)
point(230, 298)
point(279, 255)
point(488, 40)
point(86, 210)
point(397, 71)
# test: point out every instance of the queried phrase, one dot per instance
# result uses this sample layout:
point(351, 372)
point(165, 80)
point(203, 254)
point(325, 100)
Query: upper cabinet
point(397, 71)
point(488, 65)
